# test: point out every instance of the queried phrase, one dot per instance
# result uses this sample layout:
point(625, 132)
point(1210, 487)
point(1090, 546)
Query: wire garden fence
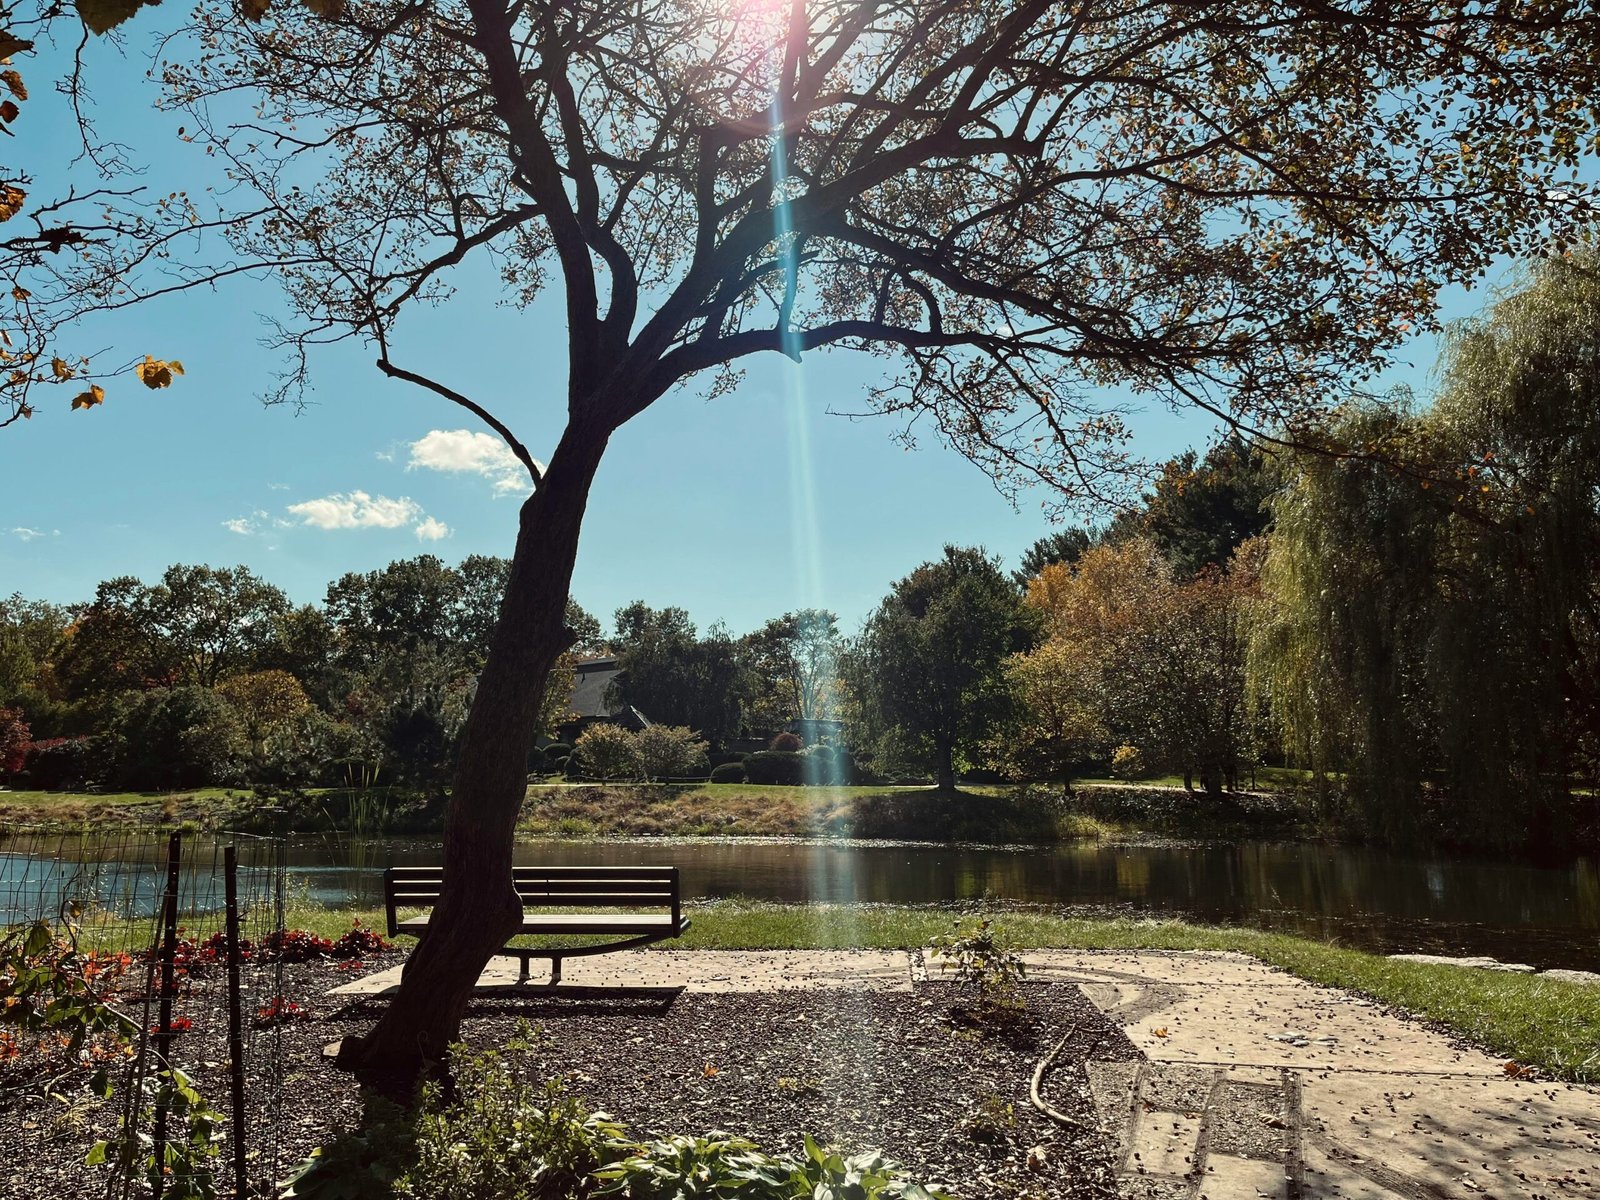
point(152, 966)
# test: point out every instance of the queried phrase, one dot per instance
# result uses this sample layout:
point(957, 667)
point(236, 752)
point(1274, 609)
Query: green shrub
point(607, 752)
point(174, 738)
point(731, 772)
point(669, 752)
point(773, 766)
point(984, 961)
point(496, 1135)
point(57, 763)
point(785, 742)
point(557, 750)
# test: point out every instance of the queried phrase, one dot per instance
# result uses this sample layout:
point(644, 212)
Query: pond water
point(1545, 915)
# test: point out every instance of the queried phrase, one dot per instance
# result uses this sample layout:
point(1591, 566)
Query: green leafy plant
point(984, 962)
point(828, 1175)
point(193, 1137)
point(719, 1165)
point(494, 1134)
point(49, 989)
point(683, 1166)
point(990, 1121)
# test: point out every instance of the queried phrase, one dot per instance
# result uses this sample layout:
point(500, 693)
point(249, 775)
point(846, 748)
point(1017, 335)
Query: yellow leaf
point(12, 198)
point(331, 9)
point(712, 1072)
point(154, 373)
point(1162, 1032)
point(20, 293)
point(13, 81)
point(95, 395)
point(254, 10)
point(60, 369)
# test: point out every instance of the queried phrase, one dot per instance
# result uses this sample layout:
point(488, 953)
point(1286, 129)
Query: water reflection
point(1549, 916)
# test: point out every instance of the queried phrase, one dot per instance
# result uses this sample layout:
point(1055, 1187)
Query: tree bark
point(478, 908)
point(944, 765)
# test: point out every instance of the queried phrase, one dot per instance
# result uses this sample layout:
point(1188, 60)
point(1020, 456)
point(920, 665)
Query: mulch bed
point(903, 1073)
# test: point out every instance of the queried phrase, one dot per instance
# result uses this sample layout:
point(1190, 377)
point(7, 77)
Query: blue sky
point(703, 505)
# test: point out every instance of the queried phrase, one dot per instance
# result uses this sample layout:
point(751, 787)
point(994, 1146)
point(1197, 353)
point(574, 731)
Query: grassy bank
point(977, 814)
point(1544, 1023)
point(582, 810)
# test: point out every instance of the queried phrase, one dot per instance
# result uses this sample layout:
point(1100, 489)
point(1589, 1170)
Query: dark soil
point(904, 1073)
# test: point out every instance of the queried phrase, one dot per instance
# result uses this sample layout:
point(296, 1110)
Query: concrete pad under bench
point(693, 970)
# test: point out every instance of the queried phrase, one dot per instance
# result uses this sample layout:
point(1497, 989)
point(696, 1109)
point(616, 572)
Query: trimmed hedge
point(774, 766)
point(728, 772)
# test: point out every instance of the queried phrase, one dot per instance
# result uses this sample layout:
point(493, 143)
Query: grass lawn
point(1545, 1023)
point(765, 791)
point(1266, 779)
point(55, 802)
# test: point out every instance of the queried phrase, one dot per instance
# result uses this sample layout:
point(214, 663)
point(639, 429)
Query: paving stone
point(1481, 963)
point(1229, 1178)
point(1566, 976)
point(1336, 1179)
point(1247, 1120)
point(1164, 1143)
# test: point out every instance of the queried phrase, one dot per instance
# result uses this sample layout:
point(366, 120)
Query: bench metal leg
point(522, 976)
point(555, 971)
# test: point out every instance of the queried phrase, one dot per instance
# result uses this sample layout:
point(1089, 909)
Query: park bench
point(634, 905)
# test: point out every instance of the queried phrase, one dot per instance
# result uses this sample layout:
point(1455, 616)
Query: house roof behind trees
point(589, 692)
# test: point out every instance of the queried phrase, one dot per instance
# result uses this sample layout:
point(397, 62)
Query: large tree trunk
point(478, 908)
point(944, 765)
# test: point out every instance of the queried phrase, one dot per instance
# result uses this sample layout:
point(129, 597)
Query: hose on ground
point(1044, 1065)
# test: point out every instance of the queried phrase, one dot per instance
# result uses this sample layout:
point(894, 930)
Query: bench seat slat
point(563, 873)
point(408, 898)
point(571, 923)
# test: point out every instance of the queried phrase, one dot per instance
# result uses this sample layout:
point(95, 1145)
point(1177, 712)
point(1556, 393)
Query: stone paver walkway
point(1256, 1084)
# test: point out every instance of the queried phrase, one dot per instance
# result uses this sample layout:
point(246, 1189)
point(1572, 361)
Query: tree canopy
point(928, 669)
point(1431, 618)
point(1231, 206)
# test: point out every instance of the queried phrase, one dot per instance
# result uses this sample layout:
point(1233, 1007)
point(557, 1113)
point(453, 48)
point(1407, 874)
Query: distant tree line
point(1406, 607)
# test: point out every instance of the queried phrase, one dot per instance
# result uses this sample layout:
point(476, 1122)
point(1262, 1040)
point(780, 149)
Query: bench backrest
point(547, 887)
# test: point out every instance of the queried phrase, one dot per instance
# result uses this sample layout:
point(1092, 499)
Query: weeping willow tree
point(1428, 630)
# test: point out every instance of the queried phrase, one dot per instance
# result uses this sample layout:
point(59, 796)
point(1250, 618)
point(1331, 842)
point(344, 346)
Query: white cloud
point(257, 522)
point(357, 510)
point(27, 534)
point(464, 451)
point(431, 529)
point(278, 487)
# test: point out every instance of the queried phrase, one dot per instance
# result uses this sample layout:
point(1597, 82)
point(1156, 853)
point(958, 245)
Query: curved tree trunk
point(944, 764)
point(479, 909)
